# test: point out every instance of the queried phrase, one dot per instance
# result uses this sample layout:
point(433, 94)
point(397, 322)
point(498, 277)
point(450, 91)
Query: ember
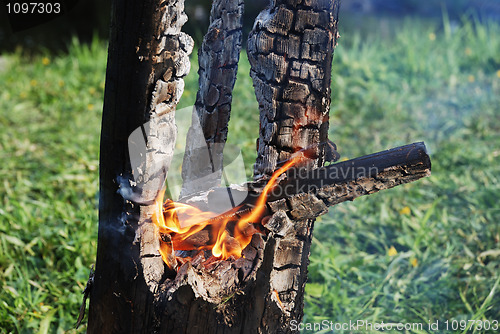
point(184, 227)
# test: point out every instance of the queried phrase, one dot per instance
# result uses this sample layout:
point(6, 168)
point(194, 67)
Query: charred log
point(267, 279)
point(290, 50)
point(314, 190)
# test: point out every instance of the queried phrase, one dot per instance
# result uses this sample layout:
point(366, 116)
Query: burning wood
point(301, 194)
point(224, 236)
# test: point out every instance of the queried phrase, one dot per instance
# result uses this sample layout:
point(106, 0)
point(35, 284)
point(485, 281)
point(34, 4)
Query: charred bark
point(307, 193)
point(290, 50)
point(218, 64)
point(147, 58)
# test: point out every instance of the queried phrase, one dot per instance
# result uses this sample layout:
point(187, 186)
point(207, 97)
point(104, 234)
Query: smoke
point(127, 188)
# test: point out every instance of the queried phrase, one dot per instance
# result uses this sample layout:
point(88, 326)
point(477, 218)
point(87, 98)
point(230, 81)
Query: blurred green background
point(419, 253)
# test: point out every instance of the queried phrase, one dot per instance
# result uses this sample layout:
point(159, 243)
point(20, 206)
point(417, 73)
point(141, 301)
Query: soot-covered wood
point(307, 193)
point(290, 51)
point(147, 59)
point(218, 64)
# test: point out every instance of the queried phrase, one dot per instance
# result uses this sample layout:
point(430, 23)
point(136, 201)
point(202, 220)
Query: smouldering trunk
point(290, 51)
point(148, 56)
point(249, 274)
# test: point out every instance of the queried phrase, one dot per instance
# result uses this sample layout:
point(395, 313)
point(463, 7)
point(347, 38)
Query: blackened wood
point(147, 58)
point(385, 169)
point(267, 283)
point(218, 64)
point(290, 50)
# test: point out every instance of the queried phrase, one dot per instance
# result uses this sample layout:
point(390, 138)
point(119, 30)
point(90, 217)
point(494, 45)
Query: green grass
point(423, 83)
point(49, 136)
point(442, 88)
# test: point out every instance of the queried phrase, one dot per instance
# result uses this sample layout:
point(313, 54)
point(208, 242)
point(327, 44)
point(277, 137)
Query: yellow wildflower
point(90, 106)
point(33, 83)
point(468, 51)
point(45, 61)
point(405, 211)
point(414, 262)
point(60, 83)
point(392, 251)
point(498, 73)
point(471, 78)
point(432, 36)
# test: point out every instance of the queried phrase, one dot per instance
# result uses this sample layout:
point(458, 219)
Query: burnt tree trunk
point(290, 50)
point(147, 58)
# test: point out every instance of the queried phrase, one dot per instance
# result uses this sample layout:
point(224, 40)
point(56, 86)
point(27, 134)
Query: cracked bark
point(290, 50)
point(218, 64)
point(147, 58)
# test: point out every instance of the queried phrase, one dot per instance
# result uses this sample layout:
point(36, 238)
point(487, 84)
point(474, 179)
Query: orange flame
point(202, 230)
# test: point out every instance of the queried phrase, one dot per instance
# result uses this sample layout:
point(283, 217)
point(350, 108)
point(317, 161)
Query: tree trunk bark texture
point(218, 64)
point(290, 50)
point(147, 58)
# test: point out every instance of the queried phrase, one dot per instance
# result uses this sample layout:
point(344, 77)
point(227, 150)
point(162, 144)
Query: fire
point(185, 227)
